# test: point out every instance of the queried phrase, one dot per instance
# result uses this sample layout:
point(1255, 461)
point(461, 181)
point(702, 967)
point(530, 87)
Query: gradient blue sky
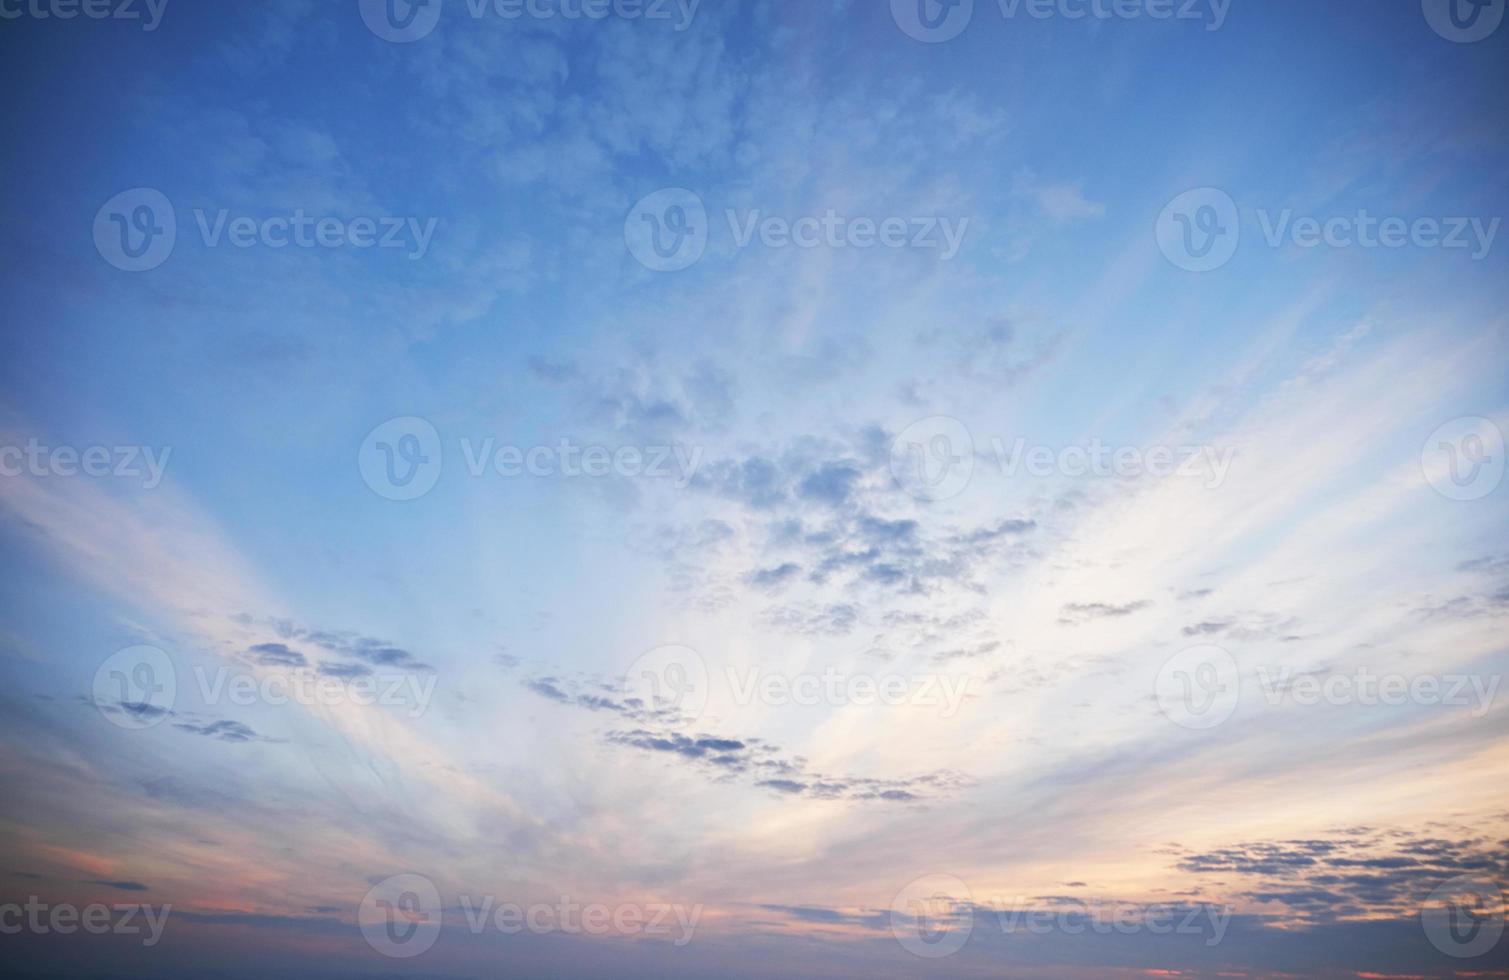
point(792, 548)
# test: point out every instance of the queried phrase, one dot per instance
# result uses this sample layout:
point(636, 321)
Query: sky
point(655, 488)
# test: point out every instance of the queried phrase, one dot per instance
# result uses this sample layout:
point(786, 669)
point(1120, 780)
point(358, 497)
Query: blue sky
point(815, 468)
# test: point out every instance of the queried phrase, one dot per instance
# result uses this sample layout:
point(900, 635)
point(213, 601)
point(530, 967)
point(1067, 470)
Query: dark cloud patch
point(345, 672)
point(1079, 613)
point(277, 655)
point(808, 619)
point(768, 767)
point(1353, 873)
point(600, 695)
point(125, 886)
point(350, 646)
point(223, 730)
point(770, 579)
